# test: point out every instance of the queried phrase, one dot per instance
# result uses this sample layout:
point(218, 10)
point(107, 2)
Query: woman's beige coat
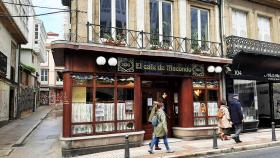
point(224, 122)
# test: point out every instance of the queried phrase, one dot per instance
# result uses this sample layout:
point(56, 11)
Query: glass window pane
point(81, 112)
point(82, 80)
point(125, 94)
point(212, 108)
point(104, 108)
point(199, 95)
point(198, 83)
point(82, 95)
point(105, 80)
point(194, 28)
point(199, 109)
point(105, 17)
point(247, 92)
point(212, 121)
point(276, 100)
point(126, 81)
point(81, 129)
point(121, 14)
point(166, 22)
point(212, 95)
point(104, 127)
point(154, 22)
point(204, 25)
point(199, 121)
point(212, 84)
point(125, 126)
point(125, 104)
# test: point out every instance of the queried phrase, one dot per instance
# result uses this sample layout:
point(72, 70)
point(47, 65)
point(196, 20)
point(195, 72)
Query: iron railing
point(118, 37)
point(237, 44)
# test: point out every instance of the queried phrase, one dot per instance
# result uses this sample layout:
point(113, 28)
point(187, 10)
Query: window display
point(113, 108)
point(247, 94)
point(205, 102)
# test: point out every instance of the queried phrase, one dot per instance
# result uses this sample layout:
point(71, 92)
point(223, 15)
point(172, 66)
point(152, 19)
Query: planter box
point(74, 146)
point(193, 133)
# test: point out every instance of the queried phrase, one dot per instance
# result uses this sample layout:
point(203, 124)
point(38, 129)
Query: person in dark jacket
point(236, 117)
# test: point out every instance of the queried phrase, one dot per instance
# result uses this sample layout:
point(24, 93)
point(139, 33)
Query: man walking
point(236, 117)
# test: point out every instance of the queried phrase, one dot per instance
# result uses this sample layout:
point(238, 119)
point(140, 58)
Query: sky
point(53, 22)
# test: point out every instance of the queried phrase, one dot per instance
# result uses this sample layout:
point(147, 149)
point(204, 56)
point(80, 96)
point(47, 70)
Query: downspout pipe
point(18, 83)
point(220, 7)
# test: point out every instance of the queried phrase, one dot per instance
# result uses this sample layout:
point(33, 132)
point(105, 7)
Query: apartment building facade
point(15, 32)
point(51, 92)
point(122, 55)
point(252, 41)
point(32, 54)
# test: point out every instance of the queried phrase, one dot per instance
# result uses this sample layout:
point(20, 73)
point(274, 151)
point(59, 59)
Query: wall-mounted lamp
point(211, 69)
point(112, 61)
point(100, 60)
point(217, 69)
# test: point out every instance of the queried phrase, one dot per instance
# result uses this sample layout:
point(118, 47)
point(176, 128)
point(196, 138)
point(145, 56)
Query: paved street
point(272, 152)
point(43, 142)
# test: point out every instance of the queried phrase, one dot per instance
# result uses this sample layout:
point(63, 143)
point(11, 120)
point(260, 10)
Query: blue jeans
point(155, 140)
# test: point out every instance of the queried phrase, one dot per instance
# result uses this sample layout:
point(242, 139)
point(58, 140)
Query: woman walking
point(160, 131)
point(224, 122)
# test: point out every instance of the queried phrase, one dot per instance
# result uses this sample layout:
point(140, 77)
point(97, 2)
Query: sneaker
point(170, 151)
point(150, 151)
point(157, 148)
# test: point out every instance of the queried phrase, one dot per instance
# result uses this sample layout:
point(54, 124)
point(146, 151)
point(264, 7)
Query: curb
point(227, 150)
point(27, 133)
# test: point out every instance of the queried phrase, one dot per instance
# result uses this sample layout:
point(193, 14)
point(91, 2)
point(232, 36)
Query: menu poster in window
point(150, 101)
point(79, 94)
point(129, 106)
point(99, 110)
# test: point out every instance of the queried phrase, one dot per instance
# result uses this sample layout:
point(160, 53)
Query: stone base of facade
point(193, 132)
point(82, 145)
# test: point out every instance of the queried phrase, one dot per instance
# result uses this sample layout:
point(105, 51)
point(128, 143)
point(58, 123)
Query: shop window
point(82, 104)
point(247, 94)
point(205, 101)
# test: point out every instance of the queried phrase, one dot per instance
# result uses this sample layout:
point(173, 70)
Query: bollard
point(273, 131)
point(215, 143)
point(126, 147)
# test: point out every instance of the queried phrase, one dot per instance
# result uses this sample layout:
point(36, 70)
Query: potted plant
point(120, 40)
point(109, 40)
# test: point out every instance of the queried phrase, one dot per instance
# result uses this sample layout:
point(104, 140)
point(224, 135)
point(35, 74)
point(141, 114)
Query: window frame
point(207, 117)
point(199, 23)
point(113, 18)
point(115, 121)
point(160, 17)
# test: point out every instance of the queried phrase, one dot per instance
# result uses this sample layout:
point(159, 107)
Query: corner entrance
point(152, 90)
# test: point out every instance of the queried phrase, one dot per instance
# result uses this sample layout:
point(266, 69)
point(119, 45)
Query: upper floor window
point(264, 28)
point(113, 13)
point(239, 23)
point(44, 74)
point(36, 27)
point(160, 21)
point(199, 27)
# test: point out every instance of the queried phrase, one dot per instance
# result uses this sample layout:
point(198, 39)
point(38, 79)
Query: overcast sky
point(53, 22)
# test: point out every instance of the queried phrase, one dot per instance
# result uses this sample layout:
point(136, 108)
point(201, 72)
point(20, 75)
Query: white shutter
point(239, 23)
point(264, 29)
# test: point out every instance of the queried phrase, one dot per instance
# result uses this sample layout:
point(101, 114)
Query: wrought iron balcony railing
point(119, 37)
point(237, 44)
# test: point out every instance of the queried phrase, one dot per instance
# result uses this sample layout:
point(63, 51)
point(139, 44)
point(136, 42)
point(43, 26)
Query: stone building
point(122, 55)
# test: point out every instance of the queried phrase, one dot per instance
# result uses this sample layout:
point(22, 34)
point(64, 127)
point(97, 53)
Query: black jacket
point(235, 112)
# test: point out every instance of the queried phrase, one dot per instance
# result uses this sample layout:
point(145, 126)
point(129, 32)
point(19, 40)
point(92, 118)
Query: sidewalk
point(14, 133)
point(203, 147)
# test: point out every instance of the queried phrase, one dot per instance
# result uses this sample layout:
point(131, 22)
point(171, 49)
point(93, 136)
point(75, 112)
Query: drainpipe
point(220, 6)
point(19, 79)
point(76, 20)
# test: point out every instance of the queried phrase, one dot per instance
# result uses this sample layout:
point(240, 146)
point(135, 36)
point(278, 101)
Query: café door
point(156, 90)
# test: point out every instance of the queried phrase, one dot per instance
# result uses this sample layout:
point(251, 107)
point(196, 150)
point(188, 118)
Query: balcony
point(237, 44)
point(124, 38)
